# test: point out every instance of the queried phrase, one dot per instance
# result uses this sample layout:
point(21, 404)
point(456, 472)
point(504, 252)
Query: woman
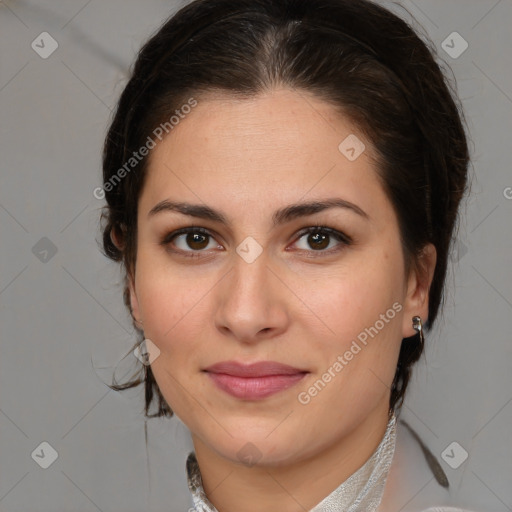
point(282, 183)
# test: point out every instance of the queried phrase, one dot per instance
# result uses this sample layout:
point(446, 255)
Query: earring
point(418, 327)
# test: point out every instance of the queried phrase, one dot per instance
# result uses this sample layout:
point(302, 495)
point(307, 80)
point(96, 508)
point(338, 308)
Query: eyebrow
point(281, 216)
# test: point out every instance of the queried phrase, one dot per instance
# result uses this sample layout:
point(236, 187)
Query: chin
point(259, 454)
point(261, 446)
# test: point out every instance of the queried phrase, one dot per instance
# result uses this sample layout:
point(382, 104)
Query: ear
point(116, 237)
point(418, 286)
point(118, 241)
point(134, 302)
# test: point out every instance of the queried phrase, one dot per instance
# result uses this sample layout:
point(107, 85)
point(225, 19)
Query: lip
point(254, 381)
point(259, 369)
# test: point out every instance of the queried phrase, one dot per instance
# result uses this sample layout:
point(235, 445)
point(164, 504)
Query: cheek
point(356, 332)
point(168, 304)
point(353, 298)
point(173, 311)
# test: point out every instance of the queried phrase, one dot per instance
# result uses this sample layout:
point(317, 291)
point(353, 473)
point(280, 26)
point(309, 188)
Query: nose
point(251, 301)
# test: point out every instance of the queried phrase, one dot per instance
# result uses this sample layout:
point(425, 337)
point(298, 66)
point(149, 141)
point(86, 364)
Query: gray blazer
point(416, 481)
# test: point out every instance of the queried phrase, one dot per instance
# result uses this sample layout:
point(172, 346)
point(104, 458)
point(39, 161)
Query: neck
point(296, 487)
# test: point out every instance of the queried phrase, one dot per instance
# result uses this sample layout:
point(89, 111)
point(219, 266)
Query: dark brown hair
point(358, 56)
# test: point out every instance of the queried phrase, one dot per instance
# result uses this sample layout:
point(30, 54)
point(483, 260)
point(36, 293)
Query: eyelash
point(341, 237)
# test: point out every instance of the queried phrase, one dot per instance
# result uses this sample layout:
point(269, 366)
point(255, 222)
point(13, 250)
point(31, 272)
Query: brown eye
point(319, 238)
point(192, 241)
point(189, 241)
point(196, 240)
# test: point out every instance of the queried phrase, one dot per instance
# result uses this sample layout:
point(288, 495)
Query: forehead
point(281, 146)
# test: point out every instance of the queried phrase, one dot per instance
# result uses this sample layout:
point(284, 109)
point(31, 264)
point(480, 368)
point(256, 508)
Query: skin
point(295, 304)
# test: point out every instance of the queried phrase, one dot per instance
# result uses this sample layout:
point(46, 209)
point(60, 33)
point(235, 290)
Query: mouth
point(255, 381)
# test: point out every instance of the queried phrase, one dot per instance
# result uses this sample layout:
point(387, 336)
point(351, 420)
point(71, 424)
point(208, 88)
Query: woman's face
point(256, 288)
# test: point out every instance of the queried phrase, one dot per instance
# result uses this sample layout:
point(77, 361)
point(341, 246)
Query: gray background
point(63, 324)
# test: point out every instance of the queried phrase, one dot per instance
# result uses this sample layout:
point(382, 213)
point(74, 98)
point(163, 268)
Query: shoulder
point(416, 481)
